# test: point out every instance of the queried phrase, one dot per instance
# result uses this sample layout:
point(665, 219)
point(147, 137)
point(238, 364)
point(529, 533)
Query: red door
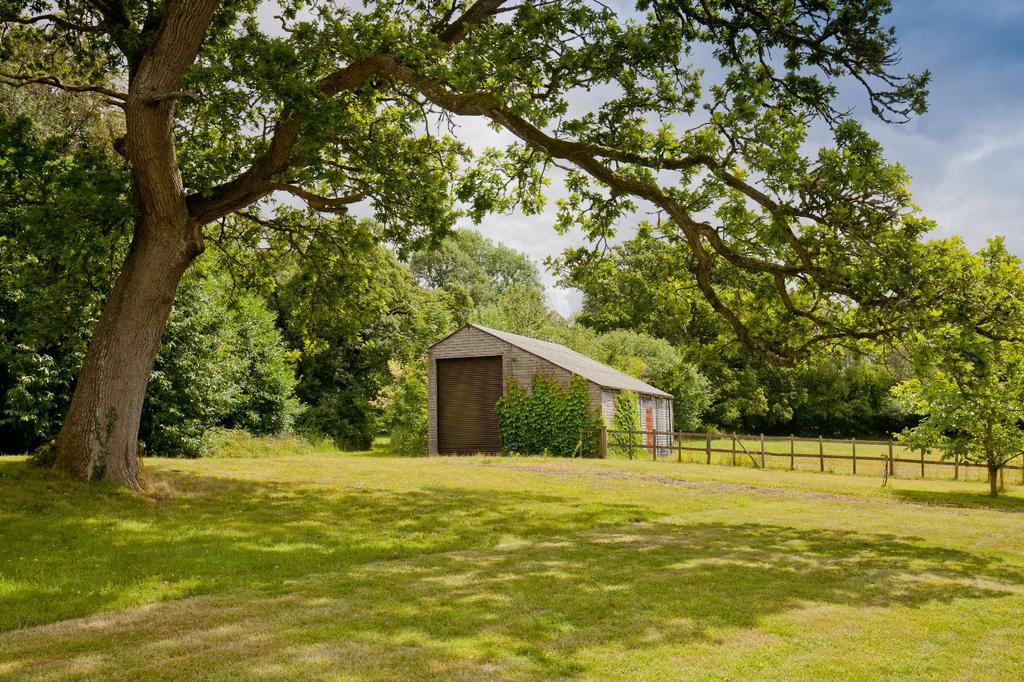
point(650, 430)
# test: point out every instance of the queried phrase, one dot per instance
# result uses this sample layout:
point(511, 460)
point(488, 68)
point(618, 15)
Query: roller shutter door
point(467, 389)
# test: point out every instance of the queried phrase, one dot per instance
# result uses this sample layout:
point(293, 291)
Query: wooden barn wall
point(608, 407)
point(662, 412)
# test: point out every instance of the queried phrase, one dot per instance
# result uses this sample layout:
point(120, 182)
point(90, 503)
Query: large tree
point(337, 105)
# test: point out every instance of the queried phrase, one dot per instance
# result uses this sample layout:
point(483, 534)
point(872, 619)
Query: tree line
point(330, 342)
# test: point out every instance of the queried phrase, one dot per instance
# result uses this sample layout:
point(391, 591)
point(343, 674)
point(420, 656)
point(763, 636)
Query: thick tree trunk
point(993, 481)
point(100, 434)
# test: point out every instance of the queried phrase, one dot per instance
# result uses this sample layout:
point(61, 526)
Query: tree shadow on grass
point(652, 584)
point(72, 550)
point(448, 583)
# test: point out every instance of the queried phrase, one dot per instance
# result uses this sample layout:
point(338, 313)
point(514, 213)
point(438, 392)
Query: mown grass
point(322, 565)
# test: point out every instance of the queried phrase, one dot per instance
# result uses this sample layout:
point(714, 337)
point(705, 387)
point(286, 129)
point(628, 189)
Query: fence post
point(922, 462)
point(892, 465)
point(734, 449)
point(1022, 469)
point(707, 446)
point(762, 451)
point(821, 454)
point(630, 444)
point(679, 447)
point(602, 445)
point(956, 467)
point(792, 453)
point(853, 442)
point(654, 445)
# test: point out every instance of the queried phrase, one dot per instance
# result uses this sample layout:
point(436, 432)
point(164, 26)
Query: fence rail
point(842, 456)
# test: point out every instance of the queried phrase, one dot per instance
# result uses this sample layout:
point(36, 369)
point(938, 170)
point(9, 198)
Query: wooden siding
point(608, 407)
point(662, 413)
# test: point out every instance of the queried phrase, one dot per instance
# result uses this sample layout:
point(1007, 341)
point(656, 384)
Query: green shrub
point(627, 418)
point(234, 443)
point(405, 409)
point(548, 420)
point(265, 403)
point(45, 455)
point(222, 362)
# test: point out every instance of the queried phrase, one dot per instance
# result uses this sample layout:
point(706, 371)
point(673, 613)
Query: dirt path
point(697, 486)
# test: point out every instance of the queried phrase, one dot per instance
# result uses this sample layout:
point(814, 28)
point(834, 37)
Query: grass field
point(313, 564)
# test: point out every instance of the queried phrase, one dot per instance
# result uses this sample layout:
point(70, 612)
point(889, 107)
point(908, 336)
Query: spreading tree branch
point(57, 21)
point(698, 235)
point(20, 80)
point(318, 202)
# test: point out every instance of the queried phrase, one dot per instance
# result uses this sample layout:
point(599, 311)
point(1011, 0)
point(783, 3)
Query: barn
point(468, 370)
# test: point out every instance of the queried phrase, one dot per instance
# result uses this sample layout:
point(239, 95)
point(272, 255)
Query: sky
point(965, 155)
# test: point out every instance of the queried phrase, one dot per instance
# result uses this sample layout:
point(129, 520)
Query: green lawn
point(319, 565)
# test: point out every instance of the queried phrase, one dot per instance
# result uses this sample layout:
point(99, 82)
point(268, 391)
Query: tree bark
point(993, 481)
point(100, 434)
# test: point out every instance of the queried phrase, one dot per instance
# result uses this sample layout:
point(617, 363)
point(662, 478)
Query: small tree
point(969, 370)
point(971, 410)
point(627, 418)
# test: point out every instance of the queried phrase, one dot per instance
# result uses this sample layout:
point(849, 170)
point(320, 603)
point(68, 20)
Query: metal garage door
point(467, 389)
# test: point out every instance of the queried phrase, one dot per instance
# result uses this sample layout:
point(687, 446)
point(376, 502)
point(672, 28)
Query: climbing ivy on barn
point(548, 420)
point(627, 418)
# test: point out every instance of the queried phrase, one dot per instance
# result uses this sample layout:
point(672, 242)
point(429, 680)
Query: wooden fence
point(852, 456)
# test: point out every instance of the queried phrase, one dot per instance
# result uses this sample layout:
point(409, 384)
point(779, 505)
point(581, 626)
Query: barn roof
point(577, 363)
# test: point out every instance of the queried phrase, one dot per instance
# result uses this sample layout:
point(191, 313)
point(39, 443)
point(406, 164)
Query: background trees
point(222, 362)
point(327, 335)
point(470, 267)
point(64, 224)
point(65, 219)
point(841, 388)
